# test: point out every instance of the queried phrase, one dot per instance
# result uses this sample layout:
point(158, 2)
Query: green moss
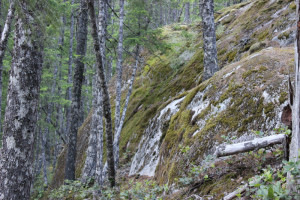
point(293, 6)
point(283, 97)
point(231, 55)
point(256, 47)
point(269, 108)
point(263, 35)
point(285, 35)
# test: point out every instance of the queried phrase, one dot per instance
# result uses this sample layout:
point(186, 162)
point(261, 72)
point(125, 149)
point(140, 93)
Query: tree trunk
point(3, 43)
point(295, 143)
point(70, 69)
point(77, 86)
point(187, 13)
point(119, 68)
point(119, 128)
point(91, 154)
point(209, 39)
point(106, 101)
point(21, 111)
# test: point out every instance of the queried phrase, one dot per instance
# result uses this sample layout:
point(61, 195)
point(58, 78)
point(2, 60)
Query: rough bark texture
point(187, 13)
point(91, 155)
point(209, 39)
point(3, 43)
point(119, 68)
point(106, 101)
point(295, 143)
point(70, 69)
point(119, 128)
point(77, 86)
point(99, 132)
point(21, 113)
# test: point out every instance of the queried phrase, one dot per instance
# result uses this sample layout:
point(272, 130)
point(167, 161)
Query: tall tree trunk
point(295, 143)
point(119, 68)
point(106, 101)
point(3, 43)
point(102, 26)
point(21, 111)
point(91, 154)
point(187, 13)
point(77, 86)
point(119, 128)
point(45, 165)
point(70, 69)
point(209, 39)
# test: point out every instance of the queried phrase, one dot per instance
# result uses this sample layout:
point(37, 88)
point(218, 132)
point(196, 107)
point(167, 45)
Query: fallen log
point(255, 144)
point(234, 194)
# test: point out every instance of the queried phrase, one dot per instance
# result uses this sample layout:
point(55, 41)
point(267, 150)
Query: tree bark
point(295, 143)
point(3, 44)
point(21, 111)
point(77, 86)
point(251, 145)
point(119, 68)
point(106, 101)
point(70, 69)
point(209, 39)
point(187, 13)
point(91, 155)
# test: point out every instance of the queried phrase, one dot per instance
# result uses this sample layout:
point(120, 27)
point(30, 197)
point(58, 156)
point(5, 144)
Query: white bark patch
point(10, 142)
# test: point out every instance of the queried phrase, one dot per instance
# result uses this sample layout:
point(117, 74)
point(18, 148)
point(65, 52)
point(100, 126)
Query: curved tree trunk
point(21, 112)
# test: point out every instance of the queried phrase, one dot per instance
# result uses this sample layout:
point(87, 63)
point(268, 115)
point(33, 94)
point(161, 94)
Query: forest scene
point(149, 99)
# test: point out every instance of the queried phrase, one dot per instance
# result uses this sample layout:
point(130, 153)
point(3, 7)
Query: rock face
point(147, 157)
point(244, 96)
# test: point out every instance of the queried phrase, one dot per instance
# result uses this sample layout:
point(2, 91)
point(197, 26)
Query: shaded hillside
point(172, 108)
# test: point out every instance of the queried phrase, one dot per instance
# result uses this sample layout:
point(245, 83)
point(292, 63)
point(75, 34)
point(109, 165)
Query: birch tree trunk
point(119, 68)
point(3, 43)
point(21, 112)
point(295, 143)
point(209, 39)
point(77, 86)
point(106, 101)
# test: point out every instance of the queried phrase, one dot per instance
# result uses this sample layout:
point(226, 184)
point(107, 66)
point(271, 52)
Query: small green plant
point(272, 184)
point(73, 190)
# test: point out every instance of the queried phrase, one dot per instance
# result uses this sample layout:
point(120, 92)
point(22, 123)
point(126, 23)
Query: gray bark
point(91, 155)
point(209, 39)
point(21, 111)
point(77, 86)
point(106, 100)
point(187, 13)
point(3, 44)
point(102, 26)
point(251, 145)
point(45, 165)
point(295, 143)
point(119, 68)
point(119, 128)
point(70, 69)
